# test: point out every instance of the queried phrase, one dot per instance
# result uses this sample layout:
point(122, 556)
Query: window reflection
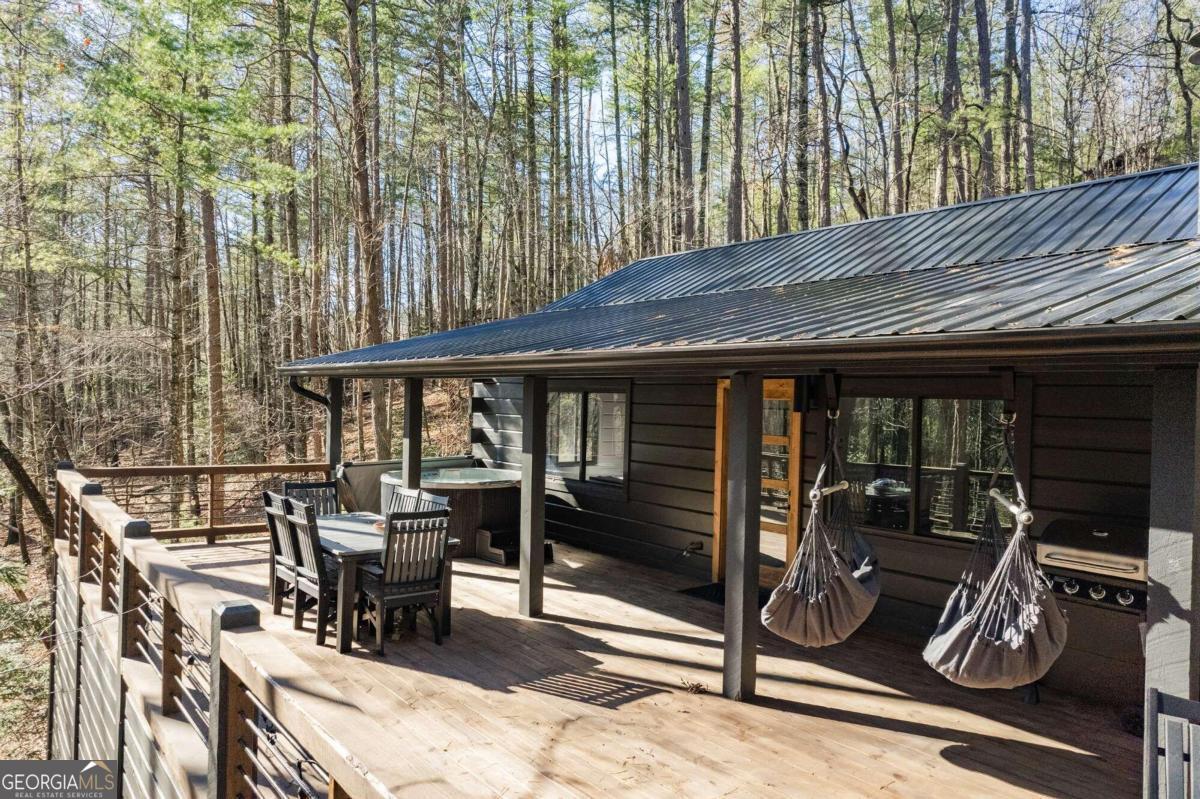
point(585, 435)
point(962, 442)
point(876, 445)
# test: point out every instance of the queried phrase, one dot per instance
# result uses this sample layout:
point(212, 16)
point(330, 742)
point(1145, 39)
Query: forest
point(195, 191)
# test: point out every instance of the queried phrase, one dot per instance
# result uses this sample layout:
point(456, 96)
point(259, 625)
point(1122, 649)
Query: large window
point(960, 443)
point(586, 432)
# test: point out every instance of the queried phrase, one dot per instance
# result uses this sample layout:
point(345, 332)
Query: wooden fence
point(176, 681)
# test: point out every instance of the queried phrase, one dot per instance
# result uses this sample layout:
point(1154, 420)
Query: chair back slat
point(415, 551)
point(302, 518)
point(283, 542)
point(1171, 737)
point(322, 495)
point(415, 500)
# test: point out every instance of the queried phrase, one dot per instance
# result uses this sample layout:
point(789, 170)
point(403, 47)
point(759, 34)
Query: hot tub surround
point(479, 498)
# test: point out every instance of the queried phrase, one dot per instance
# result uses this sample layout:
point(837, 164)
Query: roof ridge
point(920, 212)
point(549, 309)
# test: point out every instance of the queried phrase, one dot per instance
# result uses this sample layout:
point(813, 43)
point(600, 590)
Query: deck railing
point(206, 500)
point(176, 681)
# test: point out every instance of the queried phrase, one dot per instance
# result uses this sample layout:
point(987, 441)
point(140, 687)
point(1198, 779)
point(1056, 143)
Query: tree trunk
point(683, 126)
point(736, 219)
point(950, 83)
point(1027, 92)
point(987, 168)
point(706, 124)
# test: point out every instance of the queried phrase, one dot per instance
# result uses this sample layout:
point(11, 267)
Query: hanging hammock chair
point(832, 583)
point(1001, 627)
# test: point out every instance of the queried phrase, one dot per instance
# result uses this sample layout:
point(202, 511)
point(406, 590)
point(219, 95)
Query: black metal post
point(742, 489)
point(533, 495)
point(414, 408)
point(1173, 632)
point(333, 421)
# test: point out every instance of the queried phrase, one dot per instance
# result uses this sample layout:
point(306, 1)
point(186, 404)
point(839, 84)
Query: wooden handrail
point(200, 469)
point(251, 655)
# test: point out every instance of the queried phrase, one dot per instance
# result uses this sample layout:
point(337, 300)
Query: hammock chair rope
point(1001, 627)
point(832, 583)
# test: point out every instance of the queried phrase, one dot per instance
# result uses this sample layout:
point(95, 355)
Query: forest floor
point(25, 601)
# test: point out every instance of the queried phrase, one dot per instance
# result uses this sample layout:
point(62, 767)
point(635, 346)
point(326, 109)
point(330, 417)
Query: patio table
point(353, 539)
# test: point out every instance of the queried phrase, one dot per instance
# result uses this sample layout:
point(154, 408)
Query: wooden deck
point(615, 692)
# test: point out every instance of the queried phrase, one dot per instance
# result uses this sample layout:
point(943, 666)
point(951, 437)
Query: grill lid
point(1111, 550)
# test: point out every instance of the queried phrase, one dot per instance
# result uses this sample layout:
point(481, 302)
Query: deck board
point(592, 700)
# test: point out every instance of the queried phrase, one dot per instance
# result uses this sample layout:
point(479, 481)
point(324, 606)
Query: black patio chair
point(316, 575)
point(283, 550)
point(410, 577)
point(322, 495)
point(415, 500)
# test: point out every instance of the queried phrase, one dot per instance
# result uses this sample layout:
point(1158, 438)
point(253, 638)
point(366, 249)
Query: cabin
point(662, 428)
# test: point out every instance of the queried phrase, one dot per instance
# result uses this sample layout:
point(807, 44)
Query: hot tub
point(479, 498)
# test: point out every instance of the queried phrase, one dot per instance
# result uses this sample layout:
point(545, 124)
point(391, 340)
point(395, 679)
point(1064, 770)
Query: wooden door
point(782, 457)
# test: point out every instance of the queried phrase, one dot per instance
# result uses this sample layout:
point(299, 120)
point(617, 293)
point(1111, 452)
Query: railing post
point(216, 503)
point(126, 601)
point(77, 531)
point(229, 707)
point(127, 585)
point(60, 500)
point(959, 505)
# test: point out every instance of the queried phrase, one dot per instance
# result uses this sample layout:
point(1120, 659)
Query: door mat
point(715, 592)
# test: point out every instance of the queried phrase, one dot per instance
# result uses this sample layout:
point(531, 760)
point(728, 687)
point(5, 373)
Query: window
point(876, 450)
point(960, 444)
point(585, 435)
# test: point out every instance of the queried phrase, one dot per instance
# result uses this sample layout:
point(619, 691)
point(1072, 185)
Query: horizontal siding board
point(1090, 434)
point(690, 415)
point(1118, 501)
point(690, 457)
point(672, 476)
point(1130, 468)
point(674, 394)
point(671, 434)
point(665, 536)
point(1078, 402)
point(685, 499)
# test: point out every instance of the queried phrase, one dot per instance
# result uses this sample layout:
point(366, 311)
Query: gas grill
point(1098, 564)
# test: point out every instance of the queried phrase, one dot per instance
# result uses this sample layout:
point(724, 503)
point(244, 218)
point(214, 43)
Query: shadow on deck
point(610, 693)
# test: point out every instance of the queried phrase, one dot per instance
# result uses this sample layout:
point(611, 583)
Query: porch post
point(1173, 612)
point(533, 494)
point(743, 484)
point(333, 422)
point(414, 411)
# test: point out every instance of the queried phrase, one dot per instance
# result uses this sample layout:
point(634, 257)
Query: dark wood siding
point(668, 501)
point(1086, 453)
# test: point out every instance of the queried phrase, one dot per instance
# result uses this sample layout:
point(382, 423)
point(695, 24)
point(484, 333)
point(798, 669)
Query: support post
point(533, 494)
point(742, 489)
point(414, 412)
point(227, 704)
point(1173, 565)
point(333, 421)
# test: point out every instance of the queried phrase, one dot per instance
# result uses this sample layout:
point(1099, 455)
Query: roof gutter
point(1177, 342)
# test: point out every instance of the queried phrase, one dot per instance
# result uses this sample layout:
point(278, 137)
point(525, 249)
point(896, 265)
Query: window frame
point(941, 388)
point(581, 484)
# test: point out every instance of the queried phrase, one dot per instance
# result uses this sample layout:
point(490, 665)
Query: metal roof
point(1051, 260)
point(1131, 209)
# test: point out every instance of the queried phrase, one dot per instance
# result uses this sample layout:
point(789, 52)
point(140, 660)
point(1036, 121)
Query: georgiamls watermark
point(58, 779)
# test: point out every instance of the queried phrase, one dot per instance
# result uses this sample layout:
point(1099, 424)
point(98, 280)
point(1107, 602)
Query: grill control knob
point(1070, 587)
point(1125, 597)
point(1097, 592)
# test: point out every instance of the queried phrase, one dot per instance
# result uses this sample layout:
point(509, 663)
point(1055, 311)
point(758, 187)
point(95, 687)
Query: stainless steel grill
point(1102, 563)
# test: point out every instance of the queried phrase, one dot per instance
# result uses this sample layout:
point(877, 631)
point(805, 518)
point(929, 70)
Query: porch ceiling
point(1105, 301)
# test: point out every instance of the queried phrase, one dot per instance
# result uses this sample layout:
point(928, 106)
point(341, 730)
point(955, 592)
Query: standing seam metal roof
point(1118, 251)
